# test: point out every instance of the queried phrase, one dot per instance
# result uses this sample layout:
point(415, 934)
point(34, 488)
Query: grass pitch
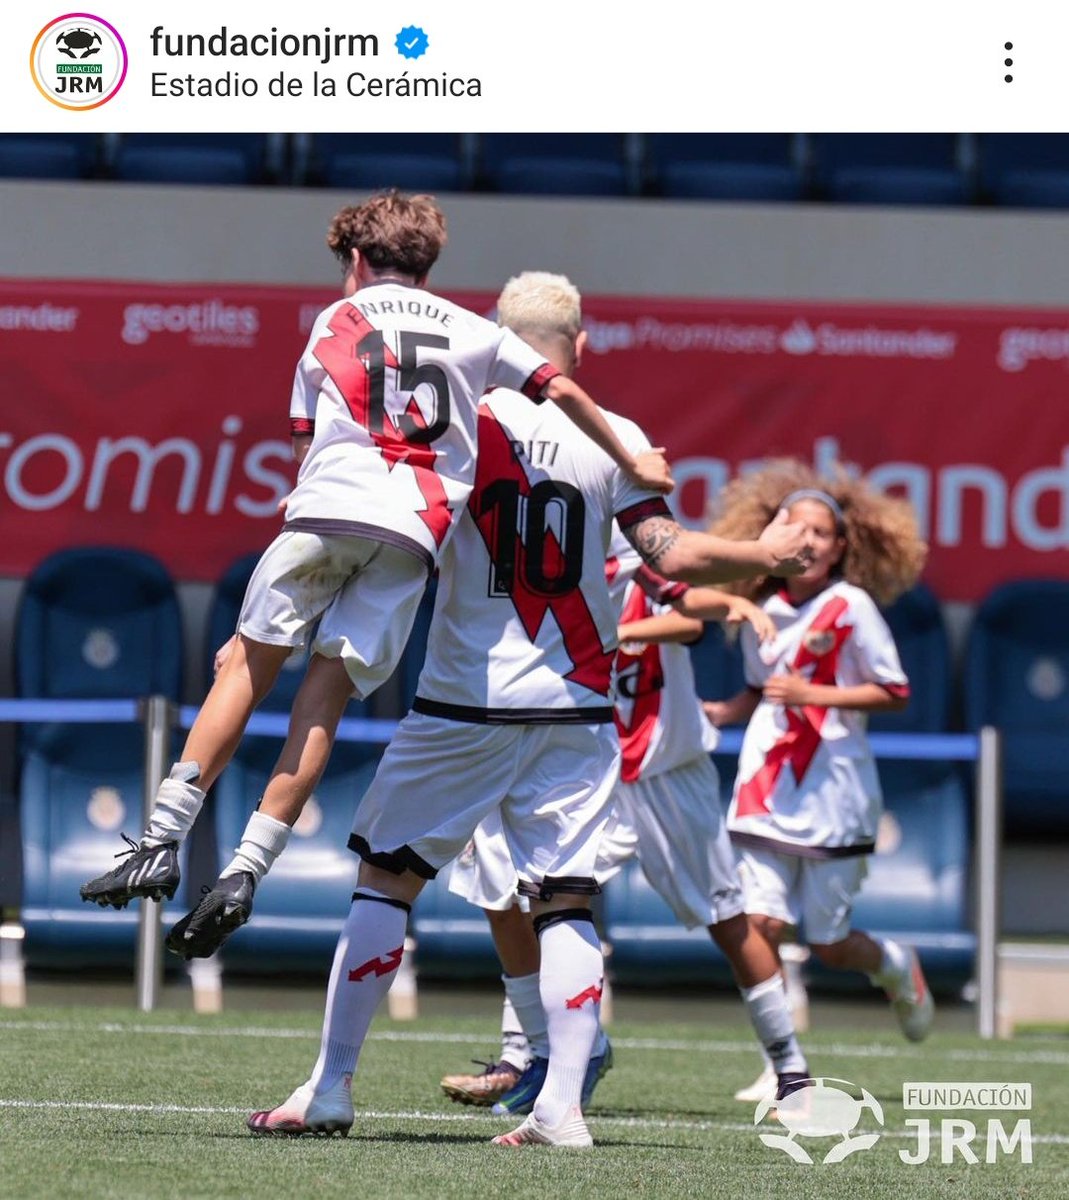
point(106, 1103)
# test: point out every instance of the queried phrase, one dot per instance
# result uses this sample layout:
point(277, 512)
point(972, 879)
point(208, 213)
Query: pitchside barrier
point(71, 822)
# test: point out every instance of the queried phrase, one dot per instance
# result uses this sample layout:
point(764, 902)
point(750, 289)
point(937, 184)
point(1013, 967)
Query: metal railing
point(160, 717)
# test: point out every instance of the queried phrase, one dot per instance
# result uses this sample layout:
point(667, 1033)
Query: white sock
point(515, 1048)
point(571, 981)
point(262, 842)
point(523, 992)
point(178, 801)
point(369, 952)
point(767, 1005)
point(893, 974)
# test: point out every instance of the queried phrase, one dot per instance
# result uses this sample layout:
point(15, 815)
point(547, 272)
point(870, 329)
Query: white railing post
point(988, 879)
point(158, 717)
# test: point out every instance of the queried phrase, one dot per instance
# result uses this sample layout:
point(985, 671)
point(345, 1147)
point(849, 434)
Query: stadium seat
point(1026, 170)
point(888, 168)
point(94, 623)
point(723, 166)
point(916, 622)
point(301, 905)
point(557, 164)
point(1017, 679)
point(48, 155)
point(206, 158)
point(432, 162)
point(916, 890)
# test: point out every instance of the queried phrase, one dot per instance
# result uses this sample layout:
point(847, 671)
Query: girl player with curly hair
point(807, 797)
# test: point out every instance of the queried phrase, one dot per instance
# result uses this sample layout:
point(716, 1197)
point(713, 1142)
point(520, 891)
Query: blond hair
point(540, 304)
point(884, 553)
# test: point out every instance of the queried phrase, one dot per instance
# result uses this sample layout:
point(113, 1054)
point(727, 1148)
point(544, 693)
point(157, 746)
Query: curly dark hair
point(884, 553)
point(390, 229)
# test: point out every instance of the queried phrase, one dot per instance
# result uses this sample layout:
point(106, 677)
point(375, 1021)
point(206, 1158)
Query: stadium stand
point(219, 158)
point(723, 166)
point(559, 164)
point(1026, 170)
point(1017, 678)
point(48, 155)
point(888, 168)
point(429, 162)
point(94, 623)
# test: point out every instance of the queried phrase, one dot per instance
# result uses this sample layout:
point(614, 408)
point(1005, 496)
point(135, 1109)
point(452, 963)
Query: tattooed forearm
point(652, 537)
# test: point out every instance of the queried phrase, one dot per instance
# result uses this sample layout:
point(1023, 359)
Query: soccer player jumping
point(383, 415)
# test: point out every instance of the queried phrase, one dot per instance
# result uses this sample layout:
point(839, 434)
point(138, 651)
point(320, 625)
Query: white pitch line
point(1053, 1139)
point(838, 1049)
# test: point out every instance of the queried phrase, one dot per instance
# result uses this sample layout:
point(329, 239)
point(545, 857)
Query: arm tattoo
point(652, 537)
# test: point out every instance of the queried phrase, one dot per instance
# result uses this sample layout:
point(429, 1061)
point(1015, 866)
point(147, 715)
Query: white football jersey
point(658, 714)
point(389, 386)
point(523, 629)
point(807, 782)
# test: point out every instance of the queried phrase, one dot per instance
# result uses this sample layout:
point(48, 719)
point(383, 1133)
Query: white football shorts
point(483, 874)
point(439, 779)
point(366, 592)
point(672, 822)
point(816, 894)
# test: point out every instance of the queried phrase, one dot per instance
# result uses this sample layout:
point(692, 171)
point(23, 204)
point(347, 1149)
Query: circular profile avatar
point(78, 61)
point(816, 1109)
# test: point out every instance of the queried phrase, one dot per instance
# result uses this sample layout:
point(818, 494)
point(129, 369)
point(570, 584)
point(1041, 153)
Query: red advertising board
point(155, 416)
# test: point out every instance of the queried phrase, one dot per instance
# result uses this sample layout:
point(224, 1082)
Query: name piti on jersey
point(524, 629)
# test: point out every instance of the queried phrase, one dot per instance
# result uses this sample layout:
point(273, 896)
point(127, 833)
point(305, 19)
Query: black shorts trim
point(513, 716)
point(550, 885)
point(754, 841)
point(374, 533)
point(395, 861)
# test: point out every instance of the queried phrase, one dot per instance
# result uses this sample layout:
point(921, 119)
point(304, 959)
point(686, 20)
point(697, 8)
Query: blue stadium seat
point(1017, 678)
point(98, 623)
point(916, 890)
point(94, 623)
point(1026, 170)
point(557, 164)
point(916, 622)
point(301, 905)
point(888, 168)
point(723, 166)
point(431, 162)
point(206, 158)
point(48, 155)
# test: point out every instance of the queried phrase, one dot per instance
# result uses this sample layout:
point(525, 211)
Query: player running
point(383, 414)
point(807, 796)
point(513, 712)
point(667, 813)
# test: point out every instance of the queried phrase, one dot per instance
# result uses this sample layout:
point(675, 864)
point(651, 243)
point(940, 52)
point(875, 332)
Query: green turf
point(664, 1121)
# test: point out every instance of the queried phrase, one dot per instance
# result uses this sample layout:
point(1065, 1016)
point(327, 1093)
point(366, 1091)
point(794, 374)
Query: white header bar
point(485, 66)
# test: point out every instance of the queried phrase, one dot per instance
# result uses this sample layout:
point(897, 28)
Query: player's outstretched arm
point(667, 627)
point(711, 604)
point(736, 710)
point(648, 469)
point(678, 553)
